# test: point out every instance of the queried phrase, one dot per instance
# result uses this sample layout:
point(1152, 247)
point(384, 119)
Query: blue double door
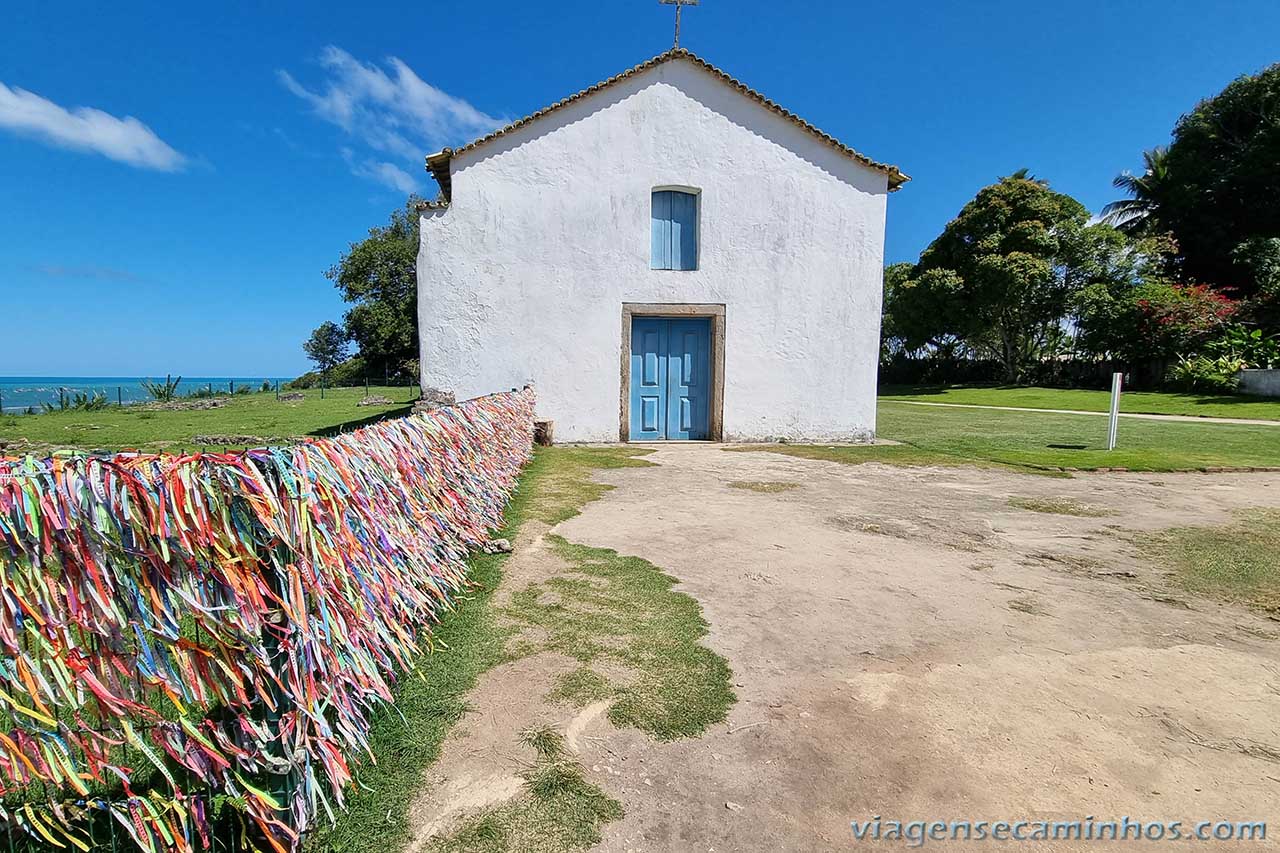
point(670, 378)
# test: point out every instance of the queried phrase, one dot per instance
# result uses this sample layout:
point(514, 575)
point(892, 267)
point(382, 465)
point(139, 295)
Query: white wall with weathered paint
point(522, 278)
point(1263, 383)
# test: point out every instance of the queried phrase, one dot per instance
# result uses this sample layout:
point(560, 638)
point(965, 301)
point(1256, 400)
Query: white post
point(1117, 379)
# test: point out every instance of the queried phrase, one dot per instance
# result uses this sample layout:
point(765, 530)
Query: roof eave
point(438, 166)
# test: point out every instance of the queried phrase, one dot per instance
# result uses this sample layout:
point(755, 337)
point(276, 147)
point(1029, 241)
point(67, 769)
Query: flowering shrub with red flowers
point(1154, 320)
point(1182, 315)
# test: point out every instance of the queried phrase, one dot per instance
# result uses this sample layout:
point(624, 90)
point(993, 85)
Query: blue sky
point(175, 178)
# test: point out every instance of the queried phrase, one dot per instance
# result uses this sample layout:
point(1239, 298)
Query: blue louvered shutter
point(684, 231)
point(661, 230)
point(675, 230)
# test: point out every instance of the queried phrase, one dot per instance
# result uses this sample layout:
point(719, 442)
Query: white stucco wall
point(522, 278)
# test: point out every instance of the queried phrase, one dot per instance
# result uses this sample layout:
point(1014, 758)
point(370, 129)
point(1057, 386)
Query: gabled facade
point(666, 255)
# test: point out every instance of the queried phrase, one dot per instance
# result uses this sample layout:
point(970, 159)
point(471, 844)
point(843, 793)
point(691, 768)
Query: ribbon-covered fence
point(196, 641)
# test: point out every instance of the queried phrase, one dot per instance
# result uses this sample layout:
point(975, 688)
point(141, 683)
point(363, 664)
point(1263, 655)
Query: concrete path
point(1195, 419)
point(905, 644)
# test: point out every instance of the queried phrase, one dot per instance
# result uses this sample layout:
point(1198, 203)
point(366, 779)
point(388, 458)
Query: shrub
point(80, 402)
point(1204, 373)
point(162, 392)
point(1247, 346)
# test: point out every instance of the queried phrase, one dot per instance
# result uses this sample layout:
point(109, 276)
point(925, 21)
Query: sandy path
point(905, 644)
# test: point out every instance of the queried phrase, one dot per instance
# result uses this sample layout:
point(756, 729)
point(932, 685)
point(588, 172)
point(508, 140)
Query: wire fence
point(96, 396)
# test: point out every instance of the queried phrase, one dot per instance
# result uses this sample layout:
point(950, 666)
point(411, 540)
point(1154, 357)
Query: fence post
point(233, 387)
point(321, 387)
point(277, 390)
point(119, 397)
point(62, 398)
point(1113, 420)
point(1, 402)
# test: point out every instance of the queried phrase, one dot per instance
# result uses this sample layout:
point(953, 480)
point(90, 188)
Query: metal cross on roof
point(678, 4)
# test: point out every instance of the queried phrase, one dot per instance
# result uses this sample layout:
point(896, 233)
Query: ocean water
point(18, 393)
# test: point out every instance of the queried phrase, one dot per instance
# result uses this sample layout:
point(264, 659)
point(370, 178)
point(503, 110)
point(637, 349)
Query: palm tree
point(1024, 174)
point(1140, 214)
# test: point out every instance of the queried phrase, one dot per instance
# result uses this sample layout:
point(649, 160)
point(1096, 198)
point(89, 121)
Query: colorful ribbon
point(205, 622)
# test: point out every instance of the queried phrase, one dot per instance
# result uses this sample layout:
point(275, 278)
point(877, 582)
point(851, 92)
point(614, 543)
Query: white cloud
point(86, 129)
point(387, 174)
point(392, 111)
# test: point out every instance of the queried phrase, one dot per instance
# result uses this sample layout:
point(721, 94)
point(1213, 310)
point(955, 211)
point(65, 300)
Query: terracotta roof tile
point(438, 164)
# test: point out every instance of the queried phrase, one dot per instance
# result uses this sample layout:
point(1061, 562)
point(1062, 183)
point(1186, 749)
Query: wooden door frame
point(714, 312)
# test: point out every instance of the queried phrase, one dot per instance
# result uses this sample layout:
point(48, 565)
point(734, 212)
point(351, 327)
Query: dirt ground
point(906, 644)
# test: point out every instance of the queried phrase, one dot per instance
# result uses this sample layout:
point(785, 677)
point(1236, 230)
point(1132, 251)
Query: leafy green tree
point(327, 345)
point(1001, 275)
point(379, 277)
point(1261, 257)
point(919, 312)
point(1139, 215)
point(1224, 180)
point(908, 324)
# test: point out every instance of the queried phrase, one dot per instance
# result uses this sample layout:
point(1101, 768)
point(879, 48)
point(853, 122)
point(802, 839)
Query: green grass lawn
point(1237, 562)
point(1039, 442)
point(1134, 402)
point(260, 415)
point(1077, 441)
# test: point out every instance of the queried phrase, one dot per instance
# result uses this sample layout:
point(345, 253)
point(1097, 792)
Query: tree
point(379, 276)
point(1224, 180)
point(917, 314)
point(906, 326)
point(1150, 322)
point(1001, 275)
point(327, 345)
point(1139, 215)
point(1261, 257)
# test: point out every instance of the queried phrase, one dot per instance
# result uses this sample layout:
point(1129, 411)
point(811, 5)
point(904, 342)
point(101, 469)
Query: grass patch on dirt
point(581, 687)
point(1026, 604)
point(1060, 506)
point(469, 641)
point(564, 484)
point(1134, 402)
point(1238, 562)
point(764, 487)
point(609, 607)
point(558, 810)
point(261, 415)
